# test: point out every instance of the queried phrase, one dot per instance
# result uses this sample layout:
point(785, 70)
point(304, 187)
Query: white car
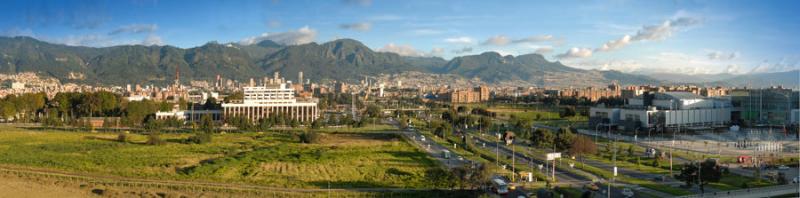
point(796, 180)
point(422, 138)
point(627, 192)
point(783, 167)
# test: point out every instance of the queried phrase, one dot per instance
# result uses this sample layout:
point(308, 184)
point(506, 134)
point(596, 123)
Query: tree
point(316, 124)
point(564, 139)
point(211, 103)
point(485, 122)
point(207, 125)
point(630, 151)
point(403, 122)
point(265, 124)
point(234, 96)
point(581, 146)
point(568, 111)
point(708, 171)
point(373, 111)
point(543, 138)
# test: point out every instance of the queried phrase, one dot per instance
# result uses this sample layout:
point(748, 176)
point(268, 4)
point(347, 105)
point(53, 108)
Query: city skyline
point(689, 37)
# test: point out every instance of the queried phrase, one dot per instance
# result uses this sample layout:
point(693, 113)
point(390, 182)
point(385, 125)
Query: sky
point(690, 37)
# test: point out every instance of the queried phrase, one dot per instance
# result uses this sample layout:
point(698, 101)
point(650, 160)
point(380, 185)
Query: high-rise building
point(300, 77)
point(477, 94)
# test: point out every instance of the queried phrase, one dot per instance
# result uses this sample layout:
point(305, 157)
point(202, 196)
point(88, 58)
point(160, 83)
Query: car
point(422, 138)
point(783, 167)
point(460, 158)
point(796, 180)
point(627, 192)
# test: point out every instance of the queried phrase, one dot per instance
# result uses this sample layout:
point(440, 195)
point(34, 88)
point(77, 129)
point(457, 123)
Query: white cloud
point(462, 50)
point(497, 40)
point(534, 39)
point(664, 30)
point(733, 69)
point(152, 39)
point(408, 50)
point(460, 40)
point(358, 2)
point(426, 32)
point(361, 27)
point(300, 36)
point(646, 33)
point(785, 64)
point(575, 53)
point(544, 50)
point(503, 52)
point(135, 29)
point(501, 40)
point(436, 51)
point(402, 50)
point(615, 44)
point(718, 55)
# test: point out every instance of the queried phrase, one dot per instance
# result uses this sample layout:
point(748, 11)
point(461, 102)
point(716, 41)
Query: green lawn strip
point(539, 155)
point(480, 153)
point(630, 163)
point(643, 183)
point(736, 182)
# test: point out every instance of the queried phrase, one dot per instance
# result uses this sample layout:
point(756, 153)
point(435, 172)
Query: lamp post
point(596, 131)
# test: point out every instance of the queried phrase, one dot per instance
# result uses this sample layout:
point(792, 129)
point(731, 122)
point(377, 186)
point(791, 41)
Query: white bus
point(499, 186)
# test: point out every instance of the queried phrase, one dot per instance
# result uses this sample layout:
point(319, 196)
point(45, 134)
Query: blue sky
point(696, 37)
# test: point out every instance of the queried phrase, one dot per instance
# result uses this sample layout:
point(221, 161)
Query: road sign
point(553, 156)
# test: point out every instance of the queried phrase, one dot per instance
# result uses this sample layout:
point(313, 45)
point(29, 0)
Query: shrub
point(200, 138)
point(122, 137)
point(154, 138)
point(309, 137)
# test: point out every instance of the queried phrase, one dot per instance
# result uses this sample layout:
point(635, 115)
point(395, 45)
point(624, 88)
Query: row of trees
point(69, 107)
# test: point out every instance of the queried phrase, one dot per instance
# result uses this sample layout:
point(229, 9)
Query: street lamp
point(596, 131)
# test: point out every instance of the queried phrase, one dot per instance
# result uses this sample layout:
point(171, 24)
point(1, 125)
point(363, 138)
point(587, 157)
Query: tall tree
point(582, 146)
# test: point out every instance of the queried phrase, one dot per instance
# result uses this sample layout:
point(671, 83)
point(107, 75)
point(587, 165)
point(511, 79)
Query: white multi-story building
point(669, 109)
point(261, 102)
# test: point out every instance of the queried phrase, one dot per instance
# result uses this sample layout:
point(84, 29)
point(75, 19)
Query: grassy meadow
point(345, 160)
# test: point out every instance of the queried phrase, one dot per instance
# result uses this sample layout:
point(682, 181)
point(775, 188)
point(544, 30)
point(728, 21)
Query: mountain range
point(342, 60)
point(790, 79)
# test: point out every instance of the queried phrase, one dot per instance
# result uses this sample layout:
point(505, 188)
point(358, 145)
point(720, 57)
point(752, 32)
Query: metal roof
point(678, 95)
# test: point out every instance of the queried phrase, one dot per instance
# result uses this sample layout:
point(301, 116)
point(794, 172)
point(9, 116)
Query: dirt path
point(16, 187)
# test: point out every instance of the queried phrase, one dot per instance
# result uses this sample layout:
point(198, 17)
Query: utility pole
point(497, 150)
point(513, 162)
point(670, 151)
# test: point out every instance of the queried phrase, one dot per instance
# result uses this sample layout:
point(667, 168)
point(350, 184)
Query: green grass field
point(272, 159)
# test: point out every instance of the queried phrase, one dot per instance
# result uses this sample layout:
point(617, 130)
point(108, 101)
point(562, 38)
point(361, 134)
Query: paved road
point(434, 149)
point(561, 175)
